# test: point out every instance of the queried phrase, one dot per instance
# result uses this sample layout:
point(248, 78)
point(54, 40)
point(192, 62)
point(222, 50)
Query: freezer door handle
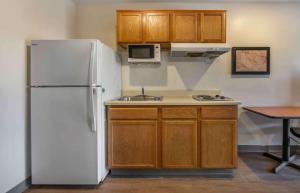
point(91, 65)
point(92, 90)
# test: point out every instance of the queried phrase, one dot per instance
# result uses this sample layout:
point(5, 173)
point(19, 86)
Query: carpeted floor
point(253, 176)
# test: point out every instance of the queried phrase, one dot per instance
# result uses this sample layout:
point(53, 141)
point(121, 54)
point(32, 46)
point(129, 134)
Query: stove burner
point(211, 98)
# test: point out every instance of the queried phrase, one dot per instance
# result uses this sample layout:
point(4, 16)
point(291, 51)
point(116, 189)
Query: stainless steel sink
point(141, 98)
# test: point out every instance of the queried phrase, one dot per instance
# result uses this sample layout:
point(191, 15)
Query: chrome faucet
point(143, 91)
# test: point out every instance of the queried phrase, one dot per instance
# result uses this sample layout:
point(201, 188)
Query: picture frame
point(251, 60)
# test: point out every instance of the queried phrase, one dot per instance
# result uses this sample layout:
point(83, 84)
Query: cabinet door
point(179, 144)
point(218, 144)
point(133, 144)
point(157, 27)
point(184, 27)
point(130, 27)
point(213, 26)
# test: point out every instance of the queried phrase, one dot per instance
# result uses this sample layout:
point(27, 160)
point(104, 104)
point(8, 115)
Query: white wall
point(20, 22)
point(249, 24)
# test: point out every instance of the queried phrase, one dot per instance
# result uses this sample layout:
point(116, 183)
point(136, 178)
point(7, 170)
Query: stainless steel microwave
point(143, 53)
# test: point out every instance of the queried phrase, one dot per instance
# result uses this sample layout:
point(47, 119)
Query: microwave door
point(141, 51)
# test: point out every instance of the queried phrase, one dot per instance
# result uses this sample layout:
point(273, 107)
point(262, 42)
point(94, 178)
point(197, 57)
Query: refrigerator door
point(101, 135)
point(64, 145)
point(109, 73)
point(63, 62)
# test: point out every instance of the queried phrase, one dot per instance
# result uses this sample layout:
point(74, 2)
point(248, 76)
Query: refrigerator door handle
point(94, 122)
point(92, 90)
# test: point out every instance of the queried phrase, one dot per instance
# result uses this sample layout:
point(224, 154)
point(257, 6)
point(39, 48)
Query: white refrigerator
point(70, 80)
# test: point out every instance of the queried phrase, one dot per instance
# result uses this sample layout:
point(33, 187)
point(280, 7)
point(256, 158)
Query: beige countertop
point(173, 97)
point(173, 100)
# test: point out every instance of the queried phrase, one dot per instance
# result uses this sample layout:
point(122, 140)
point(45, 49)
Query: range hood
point(203, 50)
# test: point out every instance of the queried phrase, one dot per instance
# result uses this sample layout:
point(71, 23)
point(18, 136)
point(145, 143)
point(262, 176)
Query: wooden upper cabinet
point(179, 143)
point(157, 27)
point(130, 27)
point(166, 26)
point(212, 26)
point(185, 26)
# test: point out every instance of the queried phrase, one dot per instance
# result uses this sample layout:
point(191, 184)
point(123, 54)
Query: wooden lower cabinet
point(172, 137)
point(218, 144)
point(133, 144)
point(179, 143)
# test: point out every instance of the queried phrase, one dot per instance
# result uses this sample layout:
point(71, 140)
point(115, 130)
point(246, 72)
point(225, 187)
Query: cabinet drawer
point(179, 112)
point(219, 112)
point(132, 113)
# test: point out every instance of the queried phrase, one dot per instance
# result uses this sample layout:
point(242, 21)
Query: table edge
point(273, 117)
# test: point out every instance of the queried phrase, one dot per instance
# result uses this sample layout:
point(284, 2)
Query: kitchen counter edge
point(173, 102)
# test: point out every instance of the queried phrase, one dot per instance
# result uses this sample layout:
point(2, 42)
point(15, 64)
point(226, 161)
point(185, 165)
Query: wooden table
point(286, 114)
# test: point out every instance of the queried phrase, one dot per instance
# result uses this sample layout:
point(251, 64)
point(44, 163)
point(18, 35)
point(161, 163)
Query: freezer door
point(64, 147)
point(63, 62)
point(110, 73)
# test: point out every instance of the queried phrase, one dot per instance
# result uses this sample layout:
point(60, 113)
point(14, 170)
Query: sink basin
point(141, 98)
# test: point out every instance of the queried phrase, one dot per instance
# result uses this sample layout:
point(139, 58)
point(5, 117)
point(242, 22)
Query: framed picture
point(251, 60)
